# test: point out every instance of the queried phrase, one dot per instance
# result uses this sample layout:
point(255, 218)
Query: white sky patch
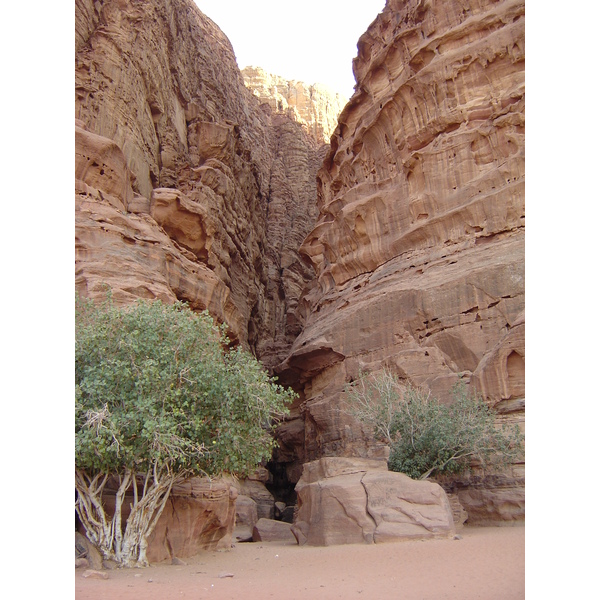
point(312, 41)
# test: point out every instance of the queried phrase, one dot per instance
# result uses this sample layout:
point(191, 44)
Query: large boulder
point(246, 516)
point(269, 530)
point(350, 501)
point(199, 515)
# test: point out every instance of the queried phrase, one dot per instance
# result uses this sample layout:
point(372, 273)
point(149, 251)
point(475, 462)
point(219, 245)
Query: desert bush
point(427, 437)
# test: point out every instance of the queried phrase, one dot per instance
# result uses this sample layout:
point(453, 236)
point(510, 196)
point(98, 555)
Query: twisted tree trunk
point(129, 547)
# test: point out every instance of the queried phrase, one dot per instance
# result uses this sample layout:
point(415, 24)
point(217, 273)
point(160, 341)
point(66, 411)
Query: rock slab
point(352, 501)
point(269, 530)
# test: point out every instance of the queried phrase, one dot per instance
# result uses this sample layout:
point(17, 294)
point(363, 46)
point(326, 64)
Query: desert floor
point(487, 563)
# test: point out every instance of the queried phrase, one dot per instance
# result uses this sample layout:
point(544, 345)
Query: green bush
point(159, 397)
point(427, 437)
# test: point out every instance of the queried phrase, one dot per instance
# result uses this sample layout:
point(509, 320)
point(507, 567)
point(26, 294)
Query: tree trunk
point(128, 548)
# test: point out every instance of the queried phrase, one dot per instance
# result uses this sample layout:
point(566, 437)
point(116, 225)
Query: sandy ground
point(487, 563)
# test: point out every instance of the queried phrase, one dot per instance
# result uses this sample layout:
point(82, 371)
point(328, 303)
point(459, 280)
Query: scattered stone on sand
point(93, 574)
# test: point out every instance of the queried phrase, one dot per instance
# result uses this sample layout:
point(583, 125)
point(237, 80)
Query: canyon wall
point(419, 247)
point(187, 186)
point(315, 106)
point(191, 186)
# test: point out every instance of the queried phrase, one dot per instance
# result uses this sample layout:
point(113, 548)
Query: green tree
point(159, 397)
point(427, 437)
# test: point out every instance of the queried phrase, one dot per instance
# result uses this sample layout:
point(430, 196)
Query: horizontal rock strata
point(419, 246)
point(489, 499)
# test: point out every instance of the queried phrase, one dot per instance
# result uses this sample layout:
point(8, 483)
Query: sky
point(313, 41)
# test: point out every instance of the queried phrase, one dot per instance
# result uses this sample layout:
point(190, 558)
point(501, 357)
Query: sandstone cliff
point(419, 246)
point(187, 188)
point(190, 186)
point(315, 106)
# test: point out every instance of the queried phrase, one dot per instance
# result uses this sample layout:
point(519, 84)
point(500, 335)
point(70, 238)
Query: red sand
point(487, 563)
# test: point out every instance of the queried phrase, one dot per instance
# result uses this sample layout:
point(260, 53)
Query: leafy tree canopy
point(158, 392)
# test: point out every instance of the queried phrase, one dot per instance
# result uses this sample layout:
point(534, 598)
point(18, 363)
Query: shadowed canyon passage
point(399, 244)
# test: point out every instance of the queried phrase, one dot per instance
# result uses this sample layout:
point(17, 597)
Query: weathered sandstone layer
point(188, 187)
point(315, 106)
point(199, 515)
point(419, 246)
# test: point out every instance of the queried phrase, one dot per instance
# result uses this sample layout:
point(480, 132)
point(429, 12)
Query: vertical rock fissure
point(367, 508)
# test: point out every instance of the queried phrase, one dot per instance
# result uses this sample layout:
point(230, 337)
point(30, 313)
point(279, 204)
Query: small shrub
point(427, 437)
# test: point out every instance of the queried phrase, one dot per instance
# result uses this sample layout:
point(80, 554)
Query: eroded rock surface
point(199, 515)
point(351, 501)
point(315, 106)
point(188, 186)
point(490, 499)
point(419, 246)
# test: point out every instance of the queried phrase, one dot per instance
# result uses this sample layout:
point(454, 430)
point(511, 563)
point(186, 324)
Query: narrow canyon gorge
point(331, 236)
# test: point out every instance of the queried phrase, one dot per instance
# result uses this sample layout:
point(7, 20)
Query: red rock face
point(187, 188)
point(199, 515)
point(419, 246)
point(316, 107)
